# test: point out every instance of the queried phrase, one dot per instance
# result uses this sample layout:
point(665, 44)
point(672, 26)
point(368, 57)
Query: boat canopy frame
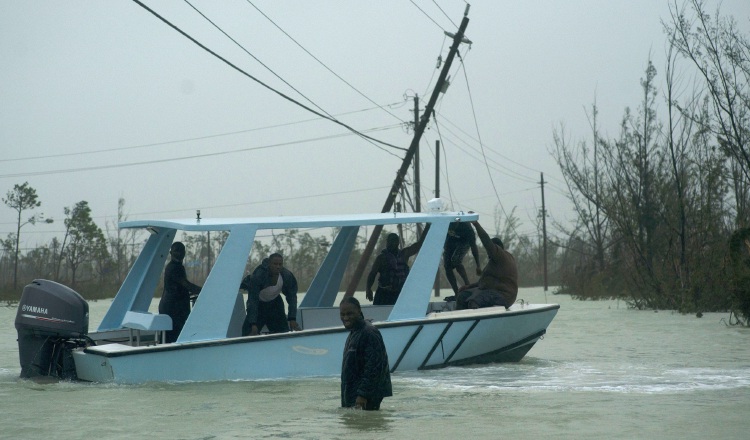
point(219, 310)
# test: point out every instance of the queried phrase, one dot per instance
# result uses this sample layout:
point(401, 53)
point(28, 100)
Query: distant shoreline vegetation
point(102, 262)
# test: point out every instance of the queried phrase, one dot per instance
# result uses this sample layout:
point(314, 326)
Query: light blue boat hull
point(445, 339)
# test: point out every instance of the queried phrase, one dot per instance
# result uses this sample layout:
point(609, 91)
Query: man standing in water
point(393, 267)
point(365, 372)
point(498, 284)
point(175, 301)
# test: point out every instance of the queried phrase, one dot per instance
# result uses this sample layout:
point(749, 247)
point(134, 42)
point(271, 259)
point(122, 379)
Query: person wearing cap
point(175, 300)
point(264, 304)
point(498, 284)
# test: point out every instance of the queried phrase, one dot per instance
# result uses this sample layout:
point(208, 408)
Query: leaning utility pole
point(437, 196)
point(418, 131)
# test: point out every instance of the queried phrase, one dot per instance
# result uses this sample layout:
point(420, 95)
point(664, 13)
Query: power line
point(502, 168)
point(256, 58)
point(230, 64)
point(196, 156)
point(319, 61)
point(508, 171)
point(264, 65)
point(177, 141)
point(479, 137)
point(481, 144)
point(427, 15)
point(489, 148)
point(446, 15)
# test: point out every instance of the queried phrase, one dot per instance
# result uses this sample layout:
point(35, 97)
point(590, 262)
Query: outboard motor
point(52, 320)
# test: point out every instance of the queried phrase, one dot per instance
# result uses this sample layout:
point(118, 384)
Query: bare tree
point(680, 127)
point(507, 231)
point(635, 172)
point(584, 178)
point(721, 55)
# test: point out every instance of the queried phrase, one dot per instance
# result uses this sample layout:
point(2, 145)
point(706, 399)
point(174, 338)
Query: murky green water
point(602, 372)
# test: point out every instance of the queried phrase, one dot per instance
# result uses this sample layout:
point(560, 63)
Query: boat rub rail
point(116, 350)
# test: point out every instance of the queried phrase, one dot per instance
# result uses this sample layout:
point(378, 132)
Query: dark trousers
point(476, 299)
point(270, 314)
point(179, 313)
point(385, 297)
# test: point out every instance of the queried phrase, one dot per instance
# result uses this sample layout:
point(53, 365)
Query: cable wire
point(268, 68)
point(196, 156)
point(177, 141)
point(481, 144)
point(256, 58)
point(446, 15)
point(319, 61)
point(235, 67)
point(427, 15)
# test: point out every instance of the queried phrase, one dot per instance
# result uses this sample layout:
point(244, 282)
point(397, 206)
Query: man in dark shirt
point(365, 371)
point(264, 304)
point(393, 266)
point(175, 301)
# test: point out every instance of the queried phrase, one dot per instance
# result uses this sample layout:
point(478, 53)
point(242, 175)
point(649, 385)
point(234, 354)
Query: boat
point(128, 348)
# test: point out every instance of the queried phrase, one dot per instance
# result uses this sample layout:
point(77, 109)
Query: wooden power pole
point(437, 195)
point(418, 131)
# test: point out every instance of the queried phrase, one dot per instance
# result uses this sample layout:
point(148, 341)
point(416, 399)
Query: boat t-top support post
point(458, 38)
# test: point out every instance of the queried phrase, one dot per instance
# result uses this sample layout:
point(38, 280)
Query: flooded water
point(601, 372)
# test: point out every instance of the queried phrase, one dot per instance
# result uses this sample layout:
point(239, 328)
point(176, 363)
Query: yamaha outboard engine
point(51, 321)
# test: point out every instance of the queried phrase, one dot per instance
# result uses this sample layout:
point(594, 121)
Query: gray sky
point(101, 100)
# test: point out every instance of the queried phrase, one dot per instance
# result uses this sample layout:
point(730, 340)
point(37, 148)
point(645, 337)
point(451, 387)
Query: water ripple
point(581, 377)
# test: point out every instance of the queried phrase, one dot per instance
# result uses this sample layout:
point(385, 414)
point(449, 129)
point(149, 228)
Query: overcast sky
point(102, 100)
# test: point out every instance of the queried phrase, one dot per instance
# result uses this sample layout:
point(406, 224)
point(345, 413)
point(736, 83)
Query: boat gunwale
point(489, 314)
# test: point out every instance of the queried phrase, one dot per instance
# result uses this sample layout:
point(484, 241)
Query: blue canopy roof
point(283, 222)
